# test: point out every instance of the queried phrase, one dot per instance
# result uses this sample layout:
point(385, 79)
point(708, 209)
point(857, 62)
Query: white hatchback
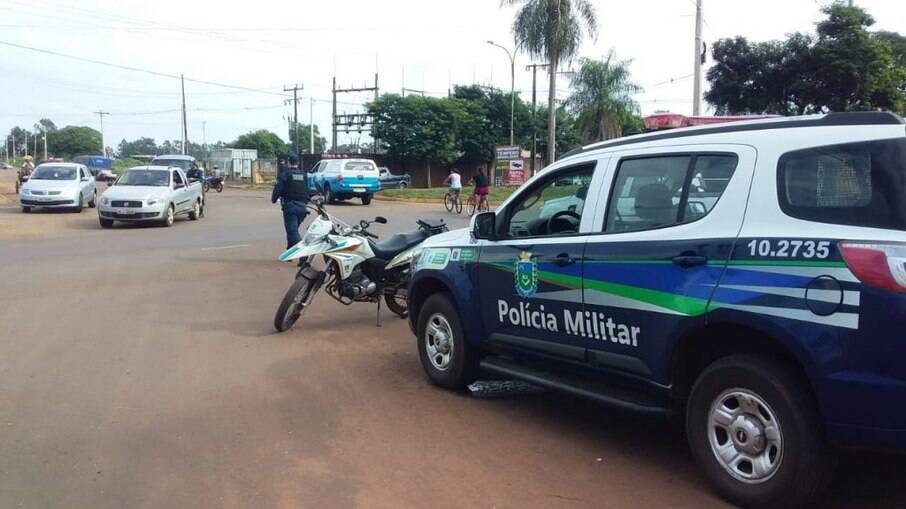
point(59, 185)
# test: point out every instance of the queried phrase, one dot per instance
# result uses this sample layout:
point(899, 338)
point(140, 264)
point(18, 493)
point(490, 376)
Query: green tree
point(896, 43)
point(268, 144)
point(21, 140)
point(71, 141)
point(843, 67)
point(46, 125)
point(141, 146)
point(553, 30)
point(484, 121)
point(305, 140)
point(602, 98)
point(567, 134)
point(416, 128)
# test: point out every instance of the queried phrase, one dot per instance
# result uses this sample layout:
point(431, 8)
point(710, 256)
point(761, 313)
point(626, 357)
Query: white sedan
point(59, 185)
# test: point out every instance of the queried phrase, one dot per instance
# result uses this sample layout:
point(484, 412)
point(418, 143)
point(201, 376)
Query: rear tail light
point(340, 178)
point(877, 264)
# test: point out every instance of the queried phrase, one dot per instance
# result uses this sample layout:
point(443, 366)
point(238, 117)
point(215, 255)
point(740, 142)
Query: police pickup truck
point(750, 277)
point(342, 179)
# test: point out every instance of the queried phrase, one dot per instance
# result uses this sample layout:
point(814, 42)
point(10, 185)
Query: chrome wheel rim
point(170, 215)
point(745, 436)
point(197, 209)
point(439, 342)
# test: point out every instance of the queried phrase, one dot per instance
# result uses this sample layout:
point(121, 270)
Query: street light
point(512, 86)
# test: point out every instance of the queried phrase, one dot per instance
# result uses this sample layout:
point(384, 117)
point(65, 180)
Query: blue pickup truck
point(342, 179)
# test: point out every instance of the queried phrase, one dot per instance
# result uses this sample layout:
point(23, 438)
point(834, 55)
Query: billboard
point(510, 166)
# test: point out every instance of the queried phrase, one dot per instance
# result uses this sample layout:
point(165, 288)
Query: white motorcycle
point(355, 269)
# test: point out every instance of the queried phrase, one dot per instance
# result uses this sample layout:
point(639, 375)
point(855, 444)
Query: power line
point(136, 69)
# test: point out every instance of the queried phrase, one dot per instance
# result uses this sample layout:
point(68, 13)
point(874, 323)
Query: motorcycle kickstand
point(379, 313)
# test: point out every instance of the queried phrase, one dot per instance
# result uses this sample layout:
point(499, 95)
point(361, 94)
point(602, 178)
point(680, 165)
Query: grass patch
point(498, 194)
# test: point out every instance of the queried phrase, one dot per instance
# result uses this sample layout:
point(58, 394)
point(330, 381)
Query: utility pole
point(295, 89)
point(311, 125)
point(45, 143)
point(35, 141)
point(333, 118)
point(534, 68)
point(697, 86)
point(512, 86)
point(185, 131)
point(204, 139)
point(101, 114)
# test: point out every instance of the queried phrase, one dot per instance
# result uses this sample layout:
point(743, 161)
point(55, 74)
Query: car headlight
point(105, 201)
point(152, 201)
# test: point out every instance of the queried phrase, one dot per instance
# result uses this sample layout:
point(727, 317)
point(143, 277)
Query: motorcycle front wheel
point(297, 298)
point(219, 187)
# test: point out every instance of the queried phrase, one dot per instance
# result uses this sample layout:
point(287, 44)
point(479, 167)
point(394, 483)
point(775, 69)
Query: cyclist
point(454, 180)
point(482, 189)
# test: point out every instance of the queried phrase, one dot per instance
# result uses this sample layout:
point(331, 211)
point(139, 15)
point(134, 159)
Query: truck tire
point(169, 217)
point(105, 223)
point(195, 213)
point(447, 357)
point(366, 199)
point(754, 429)
point(328, 197)
point(402, 185)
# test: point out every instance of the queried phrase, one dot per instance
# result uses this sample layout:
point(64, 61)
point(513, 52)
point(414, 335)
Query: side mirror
point(84, 179)
point(484, 226)
point(380, 220)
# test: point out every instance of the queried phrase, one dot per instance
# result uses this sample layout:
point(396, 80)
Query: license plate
point(44, 198)
point(358, 190)
point(126, 211)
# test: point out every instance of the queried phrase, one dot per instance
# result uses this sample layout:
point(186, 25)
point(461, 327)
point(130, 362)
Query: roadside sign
point(510, 165)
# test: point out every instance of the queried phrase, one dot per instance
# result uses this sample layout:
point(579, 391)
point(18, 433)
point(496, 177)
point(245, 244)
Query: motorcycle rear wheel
point(293, 305)
point(398, 304)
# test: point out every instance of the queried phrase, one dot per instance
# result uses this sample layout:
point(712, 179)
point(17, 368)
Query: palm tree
point(552, 30)
point(602, 97)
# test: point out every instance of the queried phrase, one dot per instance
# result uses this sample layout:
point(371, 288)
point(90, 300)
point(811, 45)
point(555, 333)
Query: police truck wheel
point(366, 200)
point(754, 429)
point(447, 358)
point(328, 197)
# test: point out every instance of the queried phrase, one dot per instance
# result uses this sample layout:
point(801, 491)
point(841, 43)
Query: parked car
point(389, 180)
point(151, 193)
point(4, 166)
point(342, 179)
point(767, 309)
point(99, 166)
point(58, 185)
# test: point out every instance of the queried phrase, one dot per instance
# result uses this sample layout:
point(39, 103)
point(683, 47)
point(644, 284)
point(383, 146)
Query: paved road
point(138, 368)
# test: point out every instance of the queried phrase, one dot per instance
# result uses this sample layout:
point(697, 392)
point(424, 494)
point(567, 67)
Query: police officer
point(292, 191)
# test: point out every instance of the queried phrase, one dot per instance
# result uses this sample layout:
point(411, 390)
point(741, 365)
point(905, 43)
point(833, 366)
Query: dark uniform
point(292, 190)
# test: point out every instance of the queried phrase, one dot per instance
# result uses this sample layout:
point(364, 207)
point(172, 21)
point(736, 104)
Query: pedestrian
point(292, 191)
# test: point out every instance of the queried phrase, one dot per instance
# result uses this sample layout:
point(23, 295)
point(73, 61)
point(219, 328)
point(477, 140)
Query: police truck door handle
point(564, 259)
point(687, 261)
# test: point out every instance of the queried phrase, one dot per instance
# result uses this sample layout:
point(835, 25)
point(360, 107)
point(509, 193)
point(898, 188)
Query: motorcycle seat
point(387, 249)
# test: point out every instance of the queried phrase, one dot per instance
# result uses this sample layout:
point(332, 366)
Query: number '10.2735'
point(790, 248)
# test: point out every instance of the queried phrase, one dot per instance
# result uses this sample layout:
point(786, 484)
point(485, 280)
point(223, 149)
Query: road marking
point(235, 246)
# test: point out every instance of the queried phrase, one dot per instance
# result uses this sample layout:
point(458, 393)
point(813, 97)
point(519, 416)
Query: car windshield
point(54, 173)
point(185, 164)
point(157, 178)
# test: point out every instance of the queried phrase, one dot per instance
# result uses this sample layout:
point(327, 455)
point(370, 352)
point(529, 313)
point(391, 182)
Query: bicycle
point(473, 203)
point(452, 201)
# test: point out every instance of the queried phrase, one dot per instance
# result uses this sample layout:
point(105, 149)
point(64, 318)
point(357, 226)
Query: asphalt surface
point(139, 368)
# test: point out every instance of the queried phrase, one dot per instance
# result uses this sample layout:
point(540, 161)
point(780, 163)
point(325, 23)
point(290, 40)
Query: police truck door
point(665, 237)
point(530, 279)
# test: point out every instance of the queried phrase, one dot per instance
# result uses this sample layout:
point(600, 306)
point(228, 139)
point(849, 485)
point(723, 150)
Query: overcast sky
point(420, 44)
